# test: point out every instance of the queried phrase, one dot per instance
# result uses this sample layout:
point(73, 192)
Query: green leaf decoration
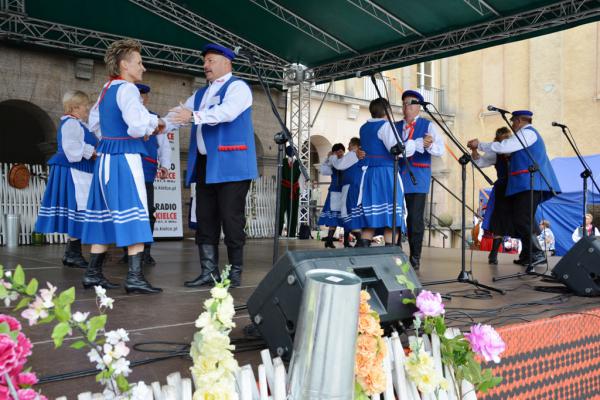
point(24, 302)
point(97, 322)
point(409, 301)
point(32, 287)
point(3, 291)
point(49, 318)
point(4, 327)
point(63, 313)
point(19, 276)
point(59, 332)
point(67, 297)
point(122, 383)
point(80, 344)
point(405, 268)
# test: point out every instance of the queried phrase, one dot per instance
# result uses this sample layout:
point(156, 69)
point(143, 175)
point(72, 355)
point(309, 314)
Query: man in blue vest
point(518, 187)
point(222, 162)
point(428, 142)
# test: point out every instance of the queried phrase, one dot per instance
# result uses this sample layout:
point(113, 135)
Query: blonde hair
point(74, 98)
point(118, 51)
point(545, 223)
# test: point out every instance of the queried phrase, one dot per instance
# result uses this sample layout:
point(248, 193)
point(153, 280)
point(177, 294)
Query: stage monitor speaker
point(579, 269)
point(274, 305)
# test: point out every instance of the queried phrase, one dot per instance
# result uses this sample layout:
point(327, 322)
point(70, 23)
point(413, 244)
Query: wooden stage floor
point(170, 316)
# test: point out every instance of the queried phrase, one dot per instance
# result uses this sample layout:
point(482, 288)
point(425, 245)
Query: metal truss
point(481, 7)
point(198, 25)
point(555, 15)
point(22, 29)
point(304, 26)
point(17, 6)
point(299, 123)
point(385, 17)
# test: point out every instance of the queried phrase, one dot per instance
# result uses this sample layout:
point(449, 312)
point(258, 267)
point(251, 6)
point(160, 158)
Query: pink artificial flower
point(26, 378)
point(429, 304)
point(486, 342)
point(30, 394)
point(35, 311)
point(23, 348)
point(13, 324)
point(8, 354)
point(4, 393)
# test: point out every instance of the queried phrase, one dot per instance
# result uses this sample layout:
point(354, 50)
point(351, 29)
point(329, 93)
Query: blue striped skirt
point(117, 211)
point(376, 199)
point(64, 202)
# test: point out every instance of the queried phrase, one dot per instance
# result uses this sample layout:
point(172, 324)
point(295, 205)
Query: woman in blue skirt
point(117, 211)
point(331, 212)
point(351, 165)
point(66, 195)
point(376, 188)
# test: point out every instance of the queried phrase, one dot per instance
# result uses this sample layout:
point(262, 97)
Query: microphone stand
point(464, 276)
point(533, 168)
point(396, 150)
point(280, 139)
point(587, 173)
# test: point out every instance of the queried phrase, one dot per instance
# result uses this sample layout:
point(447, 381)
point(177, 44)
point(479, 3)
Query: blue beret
point(143, 88)
point(217, 48)
point(289, 151)
point(413, 93)
point(522, 113)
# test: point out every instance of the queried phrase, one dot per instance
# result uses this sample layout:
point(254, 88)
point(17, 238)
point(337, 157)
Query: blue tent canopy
point(565, 210)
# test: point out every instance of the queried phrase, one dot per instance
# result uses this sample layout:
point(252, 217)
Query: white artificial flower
point(225, 314)
point(107, 302)
point(121, 367)
point(218, 292)
point(94, 357)
point(8, 274)
point(120, 350)
point(100, 291)
point(80, 317)
point(12, 296)
point(107, 358)
point(47, 295)
point(116, 336)
point(203, 320)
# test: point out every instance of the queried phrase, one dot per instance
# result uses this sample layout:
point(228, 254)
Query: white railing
point(260, 208)
point(271, 383)
point(24, 202)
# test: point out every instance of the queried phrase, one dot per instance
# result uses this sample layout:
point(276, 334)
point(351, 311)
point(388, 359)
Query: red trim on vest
point(151, 160)
point(420, 165)
point(233, 148)
point(287, 184)
point(118, 138)
point(112, 78)
point(519, 172)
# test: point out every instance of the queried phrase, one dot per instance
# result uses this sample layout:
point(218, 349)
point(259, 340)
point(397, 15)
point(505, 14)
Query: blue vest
point(353, 175)
point(115, 139)
point(336, 180)
point(150, 160)
point(518, 178)
point(60, 158)
point(420, 163)
point(230, 148)
point(377, 154)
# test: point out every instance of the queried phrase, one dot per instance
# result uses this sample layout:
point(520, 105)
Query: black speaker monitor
point(274, 305)
point(579, 269)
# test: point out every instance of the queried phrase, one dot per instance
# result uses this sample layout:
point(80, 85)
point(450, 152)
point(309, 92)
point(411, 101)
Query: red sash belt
point(420, 165)
point(151, 160)
point(522, 171)
point(118, 138)
point(233, 148)
point(287, 184)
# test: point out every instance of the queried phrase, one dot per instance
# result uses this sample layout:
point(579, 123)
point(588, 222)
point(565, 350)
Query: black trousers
point(151, 205)
point(520, 206)
point(415, 224)
point(220, 205)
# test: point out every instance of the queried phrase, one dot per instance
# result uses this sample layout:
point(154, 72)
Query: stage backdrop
point(565, 211)
point(167, 196)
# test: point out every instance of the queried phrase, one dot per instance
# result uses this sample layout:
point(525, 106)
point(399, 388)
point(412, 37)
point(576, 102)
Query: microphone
point(421, 103)
point(360, 74)
point(496, 109)
point(559, 125)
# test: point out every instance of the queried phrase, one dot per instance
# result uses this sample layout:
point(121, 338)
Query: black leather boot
point(73, 257)
point(125, 258)
point(93, 275)
point(136, 283)
point(209, 262)
point(415, 261)
point(363, 243)
point(147, 258)
point(493, 256)
point(236, 259)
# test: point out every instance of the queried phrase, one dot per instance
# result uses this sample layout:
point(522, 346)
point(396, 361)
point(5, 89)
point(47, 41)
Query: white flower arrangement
point(214, 366)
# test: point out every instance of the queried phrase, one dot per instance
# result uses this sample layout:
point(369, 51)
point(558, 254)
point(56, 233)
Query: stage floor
point(170, 316)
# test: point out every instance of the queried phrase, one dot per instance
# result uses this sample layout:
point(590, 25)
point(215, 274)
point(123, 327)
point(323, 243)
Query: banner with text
point(167, 196)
